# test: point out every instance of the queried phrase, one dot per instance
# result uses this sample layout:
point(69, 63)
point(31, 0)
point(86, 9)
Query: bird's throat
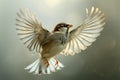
point(67, 32)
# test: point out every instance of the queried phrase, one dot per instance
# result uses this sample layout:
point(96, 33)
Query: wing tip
point(93, 10)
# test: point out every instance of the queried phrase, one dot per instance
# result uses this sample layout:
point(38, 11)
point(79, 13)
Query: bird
point(61, 40)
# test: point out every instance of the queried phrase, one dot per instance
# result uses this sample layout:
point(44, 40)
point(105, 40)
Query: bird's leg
point(47, 63)
point(56, 64)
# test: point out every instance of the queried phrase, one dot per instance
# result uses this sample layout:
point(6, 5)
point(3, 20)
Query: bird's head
point(62, 27)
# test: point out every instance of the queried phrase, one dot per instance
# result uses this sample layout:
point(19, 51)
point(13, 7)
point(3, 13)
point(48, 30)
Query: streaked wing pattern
point(30, 30)
point(86, 33)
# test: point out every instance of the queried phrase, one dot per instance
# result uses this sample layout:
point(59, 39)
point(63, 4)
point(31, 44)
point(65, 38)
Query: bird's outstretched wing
point(30, 30)
point(86, 33)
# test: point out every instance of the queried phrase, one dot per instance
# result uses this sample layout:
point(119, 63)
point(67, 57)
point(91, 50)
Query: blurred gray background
point(101, 61)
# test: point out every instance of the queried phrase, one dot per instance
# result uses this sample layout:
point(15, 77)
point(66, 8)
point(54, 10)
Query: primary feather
point(83, 36)
point(30, 30)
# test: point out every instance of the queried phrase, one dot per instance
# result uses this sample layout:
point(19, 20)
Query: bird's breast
point(54, 45)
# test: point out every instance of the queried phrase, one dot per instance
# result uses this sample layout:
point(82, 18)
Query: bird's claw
point(47, 63)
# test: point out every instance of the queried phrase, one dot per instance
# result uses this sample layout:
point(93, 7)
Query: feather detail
point(85, 34)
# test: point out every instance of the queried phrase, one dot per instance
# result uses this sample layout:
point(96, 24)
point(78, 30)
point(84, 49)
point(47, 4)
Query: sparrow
point(61, 40)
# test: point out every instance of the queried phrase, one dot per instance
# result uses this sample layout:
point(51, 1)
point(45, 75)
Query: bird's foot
point(47, 63)
point(56, 64)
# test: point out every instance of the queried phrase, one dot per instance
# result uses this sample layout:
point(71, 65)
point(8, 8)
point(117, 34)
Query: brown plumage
point(60, 25)
point(59, 41)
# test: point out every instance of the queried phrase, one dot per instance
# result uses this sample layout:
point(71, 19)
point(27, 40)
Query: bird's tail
point(41, 66)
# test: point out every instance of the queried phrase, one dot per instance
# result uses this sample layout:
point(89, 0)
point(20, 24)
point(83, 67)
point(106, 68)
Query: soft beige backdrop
point(101, 61)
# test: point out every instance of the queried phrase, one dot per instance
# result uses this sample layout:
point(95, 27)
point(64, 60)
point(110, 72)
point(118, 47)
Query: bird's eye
point(66, 25)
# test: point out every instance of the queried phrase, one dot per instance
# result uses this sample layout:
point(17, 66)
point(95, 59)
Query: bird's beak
point(69, 25)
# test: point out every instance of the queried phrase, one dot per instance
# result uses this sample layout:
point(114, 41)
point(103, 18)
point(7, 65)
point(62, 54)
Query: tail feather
point(39, 66)
point(33, 67)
